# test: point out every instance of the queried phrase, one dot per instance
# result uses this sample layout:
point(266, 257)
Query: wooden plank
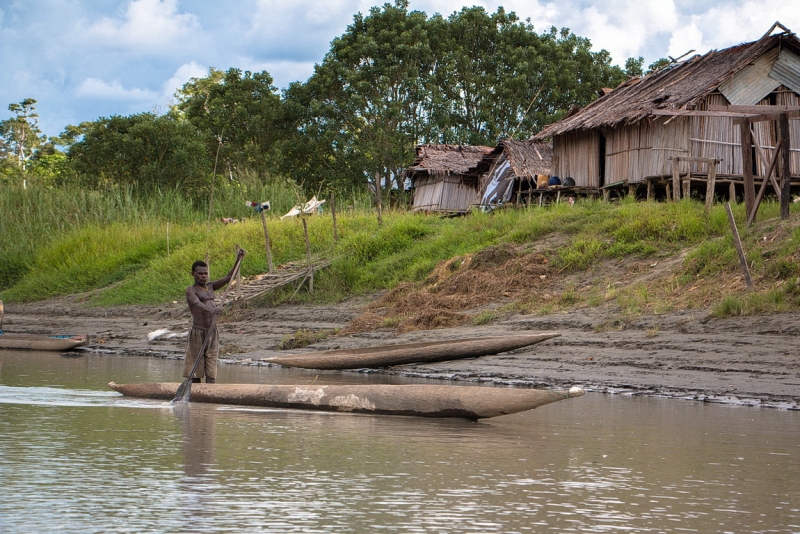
point(738, 243)
point(695, 159)
point(767, 117)
point(697, 113)
point(783, 126)
point(752, 109)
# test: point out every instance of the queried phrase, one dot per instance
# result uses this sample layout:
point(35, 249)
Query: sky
point(86, 59)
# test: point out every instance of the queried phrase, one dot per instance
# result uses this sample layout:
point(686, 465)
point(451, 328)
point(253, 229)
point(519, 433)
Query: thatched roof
point(446, 159)
point(527, 158)
point(678, 86)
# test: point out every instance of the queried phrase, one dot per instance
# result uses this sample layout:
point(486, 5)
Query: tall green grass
point(127, 249)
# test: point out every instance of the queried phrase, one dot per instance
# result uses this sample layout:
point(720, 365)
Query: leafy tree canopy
point(145, 151)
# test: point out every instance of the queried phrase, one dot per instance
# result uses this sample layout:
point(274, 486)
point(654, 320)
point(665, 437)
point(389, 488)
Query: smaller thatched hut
point(438, 179)
point(512, 169)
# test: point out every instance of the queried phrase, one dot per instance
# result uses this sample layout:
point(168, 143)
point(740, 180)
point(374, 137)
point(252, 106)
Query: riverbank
point(689, 354)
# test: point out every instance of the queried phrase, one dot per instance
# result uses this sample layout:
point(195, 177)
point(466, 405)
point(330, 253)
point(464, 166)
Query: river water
point(78, 457)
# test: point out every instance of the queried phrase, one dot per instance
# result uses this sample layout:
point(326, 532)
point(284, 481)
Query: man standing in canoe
point(200, 298)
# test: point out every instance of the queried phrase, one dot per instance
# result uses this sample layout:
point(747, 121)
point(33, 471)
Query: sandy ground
point(751, 360)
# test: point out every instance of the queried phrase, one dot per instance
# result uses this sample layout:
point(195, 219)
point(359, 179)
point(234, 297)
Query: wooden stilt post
point(676, 179)
point(668, 187)
point(783, 126)
point(687, 186)
point(732, 192)
point(747, 166)
point(650, 193)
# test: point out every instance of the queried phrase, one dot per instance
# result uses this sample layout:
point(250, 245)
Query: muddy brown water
point(77, 457)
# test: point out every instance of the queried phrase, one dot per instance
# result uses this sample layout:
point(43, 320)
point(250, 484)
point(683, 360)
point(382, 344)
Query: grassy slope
point(614, 249)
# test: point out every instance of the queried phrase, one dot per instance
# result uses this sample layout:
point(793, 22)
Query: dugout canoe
point(388, 355)
point(41, 342)
point(470, 402)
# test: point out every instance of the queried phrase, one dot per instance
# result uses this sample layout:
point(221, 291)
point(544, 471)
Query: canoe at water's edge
point(433, 351)
point(471, 402)
point(41, 342)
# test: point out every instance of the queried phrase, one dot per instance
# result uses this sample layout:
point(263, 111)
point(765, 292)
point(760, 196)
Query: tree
point(397, 78)
point(21, 135)
point(145, 151)
point(239, 114)
point(657, 64)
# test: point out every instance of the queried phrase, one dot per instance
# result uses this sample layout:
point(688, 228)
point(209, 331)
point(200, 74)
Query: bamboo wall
point(789, 98)
point(716, 137)
point(442, 193)
point(577, 155)
point(636, 151)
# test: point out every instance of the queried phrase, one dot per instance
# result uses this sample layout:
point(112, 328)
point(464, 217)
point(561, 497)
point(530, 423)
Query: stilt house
point(688, 108)
point(512, 170)
point(438, 178)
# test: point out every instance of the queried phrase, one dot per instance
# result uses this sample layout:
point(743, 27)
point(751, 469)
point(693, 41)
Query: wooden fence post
point(378, 197)
point(266, 241)
point(738, 243)
point(333, 214)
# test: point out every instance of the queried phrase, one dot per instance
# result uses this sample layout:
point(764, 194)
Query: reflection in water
point(75, 457)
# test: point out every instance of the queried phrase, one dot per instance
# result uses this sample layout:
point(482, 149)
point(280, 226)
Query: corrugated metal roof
point(787, 70)
point(751, 84)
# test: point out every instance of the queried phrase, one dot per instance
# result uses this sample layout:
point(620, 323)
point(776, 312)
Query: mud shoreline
point(687, 355)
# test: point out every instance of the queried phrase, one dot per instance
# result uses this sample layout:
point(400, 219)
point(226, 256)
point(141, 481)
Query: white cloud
point(185, 72)
point(153, 26)
point(283, 72)
point(100, 89)
point(626, 27)
point(299, 30)
point(687, 37)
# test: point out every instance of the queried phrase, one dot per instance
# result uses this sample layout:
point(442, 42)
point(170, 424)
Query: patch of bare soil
point(455, 289)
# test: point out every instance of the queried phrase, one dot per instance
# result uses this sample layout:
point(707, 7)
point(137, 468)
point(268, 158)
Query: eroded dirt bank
point(682, 354)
